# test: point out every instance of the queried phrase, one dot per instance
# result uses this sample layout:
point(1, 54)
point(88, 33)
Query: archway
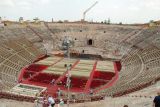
point(90, 42)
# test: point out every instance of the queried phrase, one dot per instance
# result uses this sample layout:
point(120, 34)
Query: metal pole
point(84, 99)
point(68, 53)
point(68, 46)
point(68, 70)
point(68, 85)
point(68, 97)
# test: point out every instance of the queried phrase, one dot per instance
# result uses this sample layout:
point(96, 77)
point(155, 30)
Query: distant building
point(154, 23)
point(157, 23)
point(66, 21)
point(21, 20)
point(36, 20)
point(1, 23)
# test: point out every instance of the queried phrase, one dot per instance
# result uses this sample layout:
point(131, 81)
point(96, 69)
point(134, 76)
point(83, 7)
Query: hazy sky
point(126, 11)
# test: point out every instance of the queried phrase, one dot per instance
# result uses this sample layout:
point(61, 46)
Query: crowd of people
point(48, 101)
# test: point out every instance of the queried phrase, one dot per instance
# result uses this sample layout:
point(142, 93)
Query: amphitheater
point(119, 63)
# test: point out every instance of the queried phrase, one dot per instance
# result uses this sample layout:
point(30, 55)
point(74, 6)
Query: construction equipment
point(84, 13)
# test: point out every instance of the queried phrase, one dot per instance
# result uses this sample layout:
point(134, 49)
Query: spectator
point(51, 101)
point(61, 103)
point(36, 103)
point(91, 92)
point(156, 101)
point(53, 80)
point(125, 106)
point(59, 92)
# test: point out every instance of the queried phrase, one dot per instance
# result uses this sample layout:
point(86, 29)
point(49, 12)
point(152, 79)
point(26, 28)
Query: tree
point(105, 22)
point(120, 23)
point(109, 21)
point(151, 21)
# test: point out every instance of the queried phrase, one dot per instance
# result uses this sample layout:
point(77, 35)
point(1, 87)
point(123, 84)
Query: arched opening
point(90, 42)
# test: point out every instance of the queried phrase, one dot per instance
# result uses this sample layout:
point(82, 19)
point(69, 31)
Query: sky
point(125, 11)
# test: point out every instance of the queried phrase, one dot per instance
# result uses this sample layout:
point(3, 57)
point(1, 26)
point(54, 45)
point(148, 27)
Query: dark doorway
point(90, 42)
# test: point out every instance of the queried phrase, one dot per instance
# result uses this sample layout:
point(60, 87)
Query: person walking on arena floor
point(156, 101)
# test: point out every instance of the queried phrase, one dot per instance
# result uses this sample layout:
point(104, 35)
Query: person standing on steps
point(156, 101)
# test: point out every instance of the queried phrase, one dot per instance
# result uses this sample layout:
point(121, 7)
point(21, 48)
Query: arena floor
point(51, 73)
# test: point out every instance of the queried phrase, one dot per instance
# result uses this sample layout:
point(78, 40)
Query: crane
point(84, 13)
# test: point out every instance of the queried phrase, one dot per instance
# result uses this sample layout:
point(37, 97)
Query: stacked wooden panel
point(49, 61)
point(59, 68)
point(83, 69)
point(105, 66)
